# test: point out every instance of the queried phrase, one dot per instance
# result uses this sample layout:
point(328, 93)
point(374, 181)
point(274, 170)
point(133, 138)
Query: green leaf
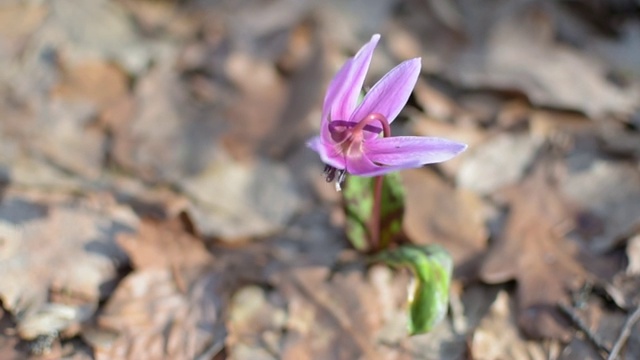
point(429, 293)
point(358, 195)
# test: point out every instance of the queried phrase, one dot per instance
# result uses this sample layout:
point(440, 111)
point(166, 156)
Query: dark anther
point(330, 172)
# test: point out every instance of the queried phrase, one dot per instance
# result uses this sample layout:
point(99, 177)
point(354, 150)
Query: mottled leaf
point(358, 205)
point(429, 292)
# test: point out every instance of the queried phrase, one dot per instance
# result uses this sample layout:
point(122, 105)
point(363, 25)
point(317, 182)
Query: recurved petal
point(327, 153)
point(333, 90)
point(389, 95)
point(411, 151)
point(344, 90)
point(361, 165)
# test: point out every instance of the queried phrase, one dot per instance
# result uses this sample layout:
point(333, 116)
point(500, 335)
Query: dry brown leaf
point(500, 161)
point(63, 134)
point(98, 82)
point(351, 314)
point(233, 201)
point(607, 193)
point(532, 250)
point(328, 319)
point(256, 322)
point(17, 22)
point(471, 135)
point(521, 52)
point(164, 245)
point(99, 28)
point(170, 136)
point(58, 248)
point(57, 137)
point(173, 305)
point(435, 103)
point(150, 316)
point(438, 213)
point(255, 113)
point(497, 336)
point(354, 314)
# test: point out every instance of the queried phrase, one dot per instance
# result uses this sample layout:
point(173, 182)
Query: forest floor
point(158, 200)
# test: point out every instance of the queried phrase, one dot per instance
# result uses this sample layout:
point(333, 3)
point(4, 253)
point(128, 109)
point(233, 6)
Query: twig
point(580, 325)
point(624, 334)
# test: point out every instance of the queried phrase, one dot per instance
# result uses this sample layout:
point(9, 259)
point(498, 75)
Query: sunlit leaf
point(358, 206)
point(429, 291)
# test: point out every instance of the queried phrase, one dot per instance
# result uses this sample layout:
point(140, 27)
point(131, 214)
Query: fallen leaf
point(328, 320)
point(521, 52)
point(150, 316)
point(86, 29)
point(170, 136)
point(17, 22)
point(436, 213)
point(256, 322)
point(497, 336)
point(79, 235)
point(470, 134)
point(234, 201)
point(66, 138)
point(98, 82)
point(532, 250)
point(174, 304)
point(607, 194)
point(163, 245)
point(500, 161)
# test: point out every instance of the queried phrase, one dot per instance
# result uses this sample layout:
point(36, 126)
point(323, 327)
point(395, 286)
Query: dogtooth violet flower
point(349, 140)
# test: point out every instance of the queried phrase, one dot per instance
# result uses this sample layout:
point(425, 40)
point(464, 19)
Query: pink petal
point(361, 165)
point(389, 95)
point(335, 87)
point(327, 153)
point(346, 101)
point(411, 151)
point(343, 91)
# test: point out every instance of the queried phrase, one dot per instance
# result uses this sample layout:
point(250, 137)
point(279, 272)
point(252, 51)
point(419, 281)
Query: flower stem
point(374, 220)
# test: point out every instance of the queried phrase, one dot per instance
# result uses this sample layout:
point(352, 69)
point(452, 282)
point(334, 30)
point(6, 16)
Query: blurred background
point(158, 200)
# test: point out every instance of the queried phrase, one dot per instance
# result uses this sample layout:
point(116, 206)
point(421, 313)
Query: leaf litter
point(157, 200)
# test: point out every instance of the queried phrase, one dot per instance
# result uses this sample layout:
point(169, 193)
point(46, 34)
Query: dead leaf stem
point(624, 334)
point(580, 325)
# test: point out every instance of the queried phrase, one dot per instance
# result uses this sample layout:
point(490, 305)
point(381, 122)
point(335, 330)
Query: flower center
point(349, 138)
point(341, 129)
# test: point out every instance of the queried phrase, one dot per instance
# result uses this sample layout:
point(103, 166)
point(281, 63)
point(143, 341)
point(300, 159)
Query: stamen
point(330, 172)
point(342, 175)
point(338, 134)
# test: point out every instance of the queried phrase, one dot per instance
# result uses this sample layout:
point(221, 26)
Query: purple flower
point(349, 140)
